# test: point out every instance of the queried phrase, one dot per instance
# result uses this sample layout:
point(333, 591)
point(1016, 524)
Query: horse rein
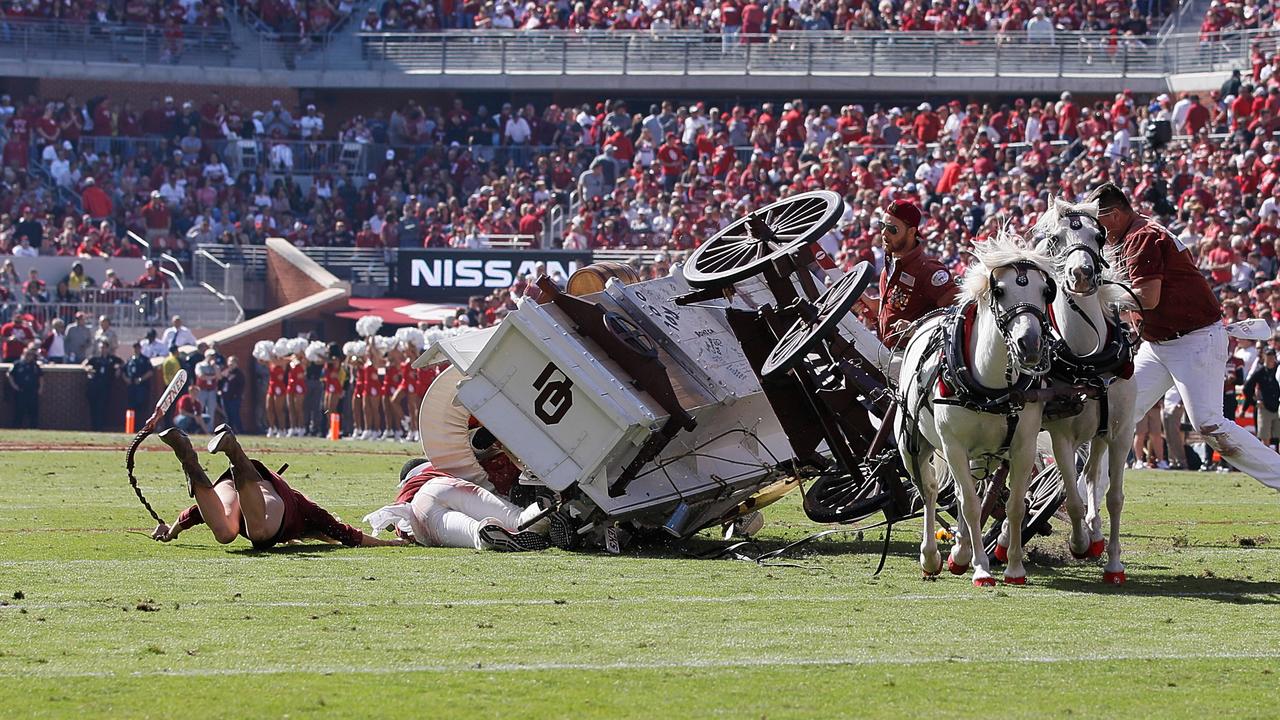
point(1005, 317)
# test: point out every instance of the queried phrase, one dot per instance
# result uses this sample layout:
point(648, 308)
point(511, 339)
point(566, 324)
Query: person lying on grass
point(251, 501)
point(434, 508)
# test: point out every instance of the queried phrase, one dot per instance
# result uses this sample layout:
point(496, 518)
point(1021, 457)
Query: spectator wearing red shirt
point(96, 202)
point(672, 159)
point(156, 217)
point(151, 278)
point(1241, 108)
point(926, 124)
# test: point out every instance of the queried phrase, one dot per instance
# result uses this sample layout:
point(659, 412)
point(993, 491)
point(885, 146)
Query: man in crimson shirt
point(151, 278)
point(14, 338)
point(912, 282)
point(1241, 109)
point(672, 159)
point(1185, 342)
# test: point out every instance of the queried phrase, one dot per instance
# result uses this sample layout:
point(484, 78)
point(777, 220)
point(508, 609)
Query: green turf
point(112, 624)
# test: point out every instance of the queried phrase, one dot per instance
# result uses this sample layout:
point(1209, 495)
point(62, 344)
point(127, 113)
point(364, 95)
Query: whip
point(163, 404)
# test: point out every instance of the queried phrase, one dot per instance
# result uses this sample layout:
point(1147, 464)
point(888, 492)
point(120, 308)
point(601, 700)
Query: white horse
point(1092, 351)
point(962, 379)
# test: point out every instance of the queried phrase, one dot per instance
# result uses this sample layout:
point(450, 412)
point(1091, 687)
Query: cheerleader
point(264, 352)
point(392, 398)
point(367, 327)
point(332, 379)
point(411, 385)
point(354, 352)
point(374, 362)
point(296, 377)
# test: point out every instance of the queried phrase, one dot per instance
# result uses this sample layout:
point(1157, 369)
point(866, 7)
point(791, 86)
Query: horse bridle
point(1005, 317)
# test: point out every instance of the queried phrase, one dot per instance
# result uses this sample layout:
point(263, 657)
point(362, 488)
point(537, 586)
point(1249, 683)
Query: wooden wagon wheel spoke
point(750, 244)
point(807, 333)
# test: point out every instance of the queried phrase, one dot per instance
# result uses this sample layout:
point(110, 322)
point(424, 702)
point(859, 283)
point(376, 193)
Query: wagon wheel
point(1045, 495)
point(818, 320)
point(842, 499)
point(749, 244)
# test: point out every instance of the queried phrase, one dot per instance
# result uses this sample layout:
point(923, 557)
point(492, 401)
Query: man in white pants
point(433, 508)
point(1185, 342)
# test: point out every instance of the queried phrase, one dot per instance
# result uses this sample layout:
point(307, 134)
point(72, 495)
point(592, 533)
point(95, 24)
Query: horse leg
point(1021, 457)
point(930, 558)
point(1114, 571)
point(1094, 485)
point(1064, 454)
point(962, 552)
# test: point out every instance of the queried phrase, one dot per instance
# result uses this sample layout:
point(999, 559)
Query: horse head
point(1072, 235)
point(1015, 285)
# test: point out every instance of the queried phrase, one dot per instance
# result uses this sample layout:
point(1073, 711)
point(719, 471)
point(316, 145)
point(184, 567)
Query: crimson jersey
point(910, 287)
point(300, 516)
point(297, 378)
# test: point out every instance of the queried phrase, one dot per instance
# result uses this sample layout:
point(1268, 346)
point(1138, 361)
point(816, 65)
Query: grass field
point(100, 621)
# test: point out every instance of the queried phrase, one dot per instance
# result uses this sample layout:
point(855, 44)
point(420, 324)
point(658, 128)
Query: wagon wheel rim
point(748, 245)
point(825, 314)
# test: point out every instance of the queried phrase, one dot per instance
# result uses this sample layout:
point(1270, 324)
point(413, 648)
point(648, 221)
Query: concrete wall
point(180, 76)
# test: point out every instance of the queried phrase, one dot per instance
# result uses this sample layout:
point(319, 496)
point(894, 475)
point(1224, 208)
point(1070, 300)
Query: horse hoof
point(929, 578)
point(956, 568)
point(1096, 548)
point(984, 582)
point(1114, 578)
point(1015, 580)
point(1081, 555)
point(1002, 553)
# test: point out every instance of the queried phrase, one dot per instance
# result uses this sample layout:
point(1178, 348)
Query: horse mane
point(1115, 276)
point(1001, 250)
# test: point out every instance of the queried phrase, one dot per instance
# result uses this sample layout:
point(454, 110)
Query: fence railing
point(643, 53)
point(133, 307)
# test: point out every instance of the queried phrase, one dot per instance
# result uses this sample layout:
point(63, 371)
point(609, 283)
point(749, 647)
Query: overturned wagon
point(677, 404)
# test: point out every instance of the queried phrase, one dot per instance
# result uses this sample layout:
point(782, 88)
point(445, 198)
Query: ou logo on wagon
point(555, 395)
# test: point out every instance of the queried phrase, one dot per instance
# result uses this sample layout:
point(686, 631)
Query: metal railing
point(115, 42)
point(865, 54)
point(253, 258)
point(642, 53)
point(125, 307)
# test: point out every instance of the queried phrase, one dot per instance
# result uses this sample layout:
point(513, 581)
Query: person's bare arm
point(371, 541)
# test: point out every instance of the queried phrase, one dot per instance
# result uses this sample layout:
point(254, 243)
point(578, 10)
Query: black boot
point(181, 444)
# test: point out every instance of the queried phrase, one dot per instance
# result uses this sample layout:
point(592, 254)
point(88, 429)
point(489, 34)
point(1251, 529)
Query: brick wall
point(65, 400)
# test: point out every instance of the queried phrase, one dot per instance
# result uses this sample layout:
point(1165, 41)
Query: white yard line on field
point(706, 664)
point(1023, 593)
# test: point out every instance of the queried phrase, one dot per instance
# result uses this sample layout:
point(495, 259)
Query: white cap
point(925, 107)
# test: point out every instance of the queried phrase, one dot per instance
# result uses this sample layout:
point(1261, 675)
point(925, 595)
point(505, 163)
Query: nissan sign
point(455, 275)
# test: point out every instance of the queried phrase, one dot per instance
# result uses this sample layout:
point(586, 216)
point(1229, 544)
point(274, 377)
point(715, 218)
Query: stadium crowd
point(662, 177)
point(739, 20)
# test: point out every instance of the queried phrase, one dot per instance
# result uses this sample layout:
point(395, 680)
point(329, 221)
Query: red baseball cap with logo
point(906, 211)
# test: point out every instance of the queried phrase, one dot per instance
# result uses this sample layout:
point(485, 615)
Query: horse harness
point(954, 378)
point(1088, 377)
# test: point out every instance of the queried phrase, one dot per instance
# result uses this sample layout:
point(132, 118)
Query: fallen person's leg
point(436, 509)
